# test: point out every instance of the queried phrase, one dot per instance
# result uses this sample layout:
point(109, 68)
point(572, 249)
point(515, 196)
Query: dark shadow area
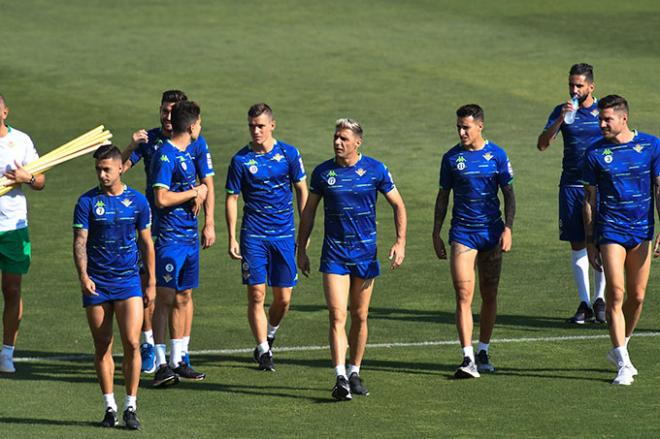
point(553, 373)
point(37, 421)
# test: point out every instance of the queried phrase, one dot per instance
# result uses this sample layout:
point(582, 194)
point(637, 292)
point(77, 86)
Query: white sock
point(109, 400)
point(599, 285)
point(468, 351)
point(186, 342)
point(263, 347)
point(482, 347)
point(175, 352)
point(625, 344)
point(622, 357)
point(130, 401)
point(580, 266)
point(148, 337)
point(272, 330)
point(160, 355)
point(7, 351)
point(340, 370)
point(353, 369)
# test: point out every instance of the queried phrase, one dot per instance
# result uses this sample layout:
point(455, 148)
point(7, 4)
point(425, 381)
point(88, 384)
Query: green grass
point(401, 68)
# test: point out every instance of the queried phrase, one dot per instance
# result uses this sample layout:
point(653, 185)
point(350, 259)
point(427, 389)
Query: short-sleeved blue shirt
point(475, 177)
point(624, 175)
point(578, 136)
point(112, 223)
point(174, 170)
point(265, 181)
point(349, 202)
point(198, 150)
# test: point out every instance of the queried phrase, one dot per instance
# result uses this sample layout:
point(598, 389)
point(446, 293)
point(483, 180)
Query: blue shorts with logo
point(363, 270)
point(480, 239)
point(271, 261)
point(627, 239)
point(177, 265)
point(110, 292)
point(571, 225)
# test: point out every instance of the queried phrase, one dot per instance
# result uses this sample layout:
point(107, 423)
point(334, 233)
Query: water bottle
point(569, 117)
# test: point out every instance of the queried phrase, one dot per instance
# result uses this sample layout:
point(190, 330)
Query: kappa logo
point(126, 202)
point(488, 156)
point(638, 148)
point(332, 178)
point(360, 172)
point(460, 163)
point(167, 278)
point(169, 268)
point(277, 157)
point(609, 157)
point(164, 158)
point(100, 207)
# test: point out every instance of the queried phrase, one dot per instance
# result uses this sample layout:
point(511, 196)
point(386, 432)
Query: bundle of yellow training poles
point(84, 144)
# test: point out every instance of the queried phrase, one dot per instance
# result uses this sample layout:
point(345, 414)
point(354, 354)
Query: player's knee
point(183, 298)
point(337, 316)
point(463, 296)
point(282, 303)
point(635, 299)
point(359, 316)
point(102, 344)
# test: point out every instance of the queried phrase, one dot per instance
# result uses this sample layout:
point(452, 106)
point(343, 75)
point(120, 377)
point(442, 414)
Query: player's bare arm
point(550, 133)
point(398, 251)
point(509, 215)
point(588, 216)
point(208, 231)
point(140, 136)
point(149, 260)
point(87, 285)
point(231, 215)
point(441, 205)
point(165, 198)
point(305, 230)
point(21, 176)
point(656, 191)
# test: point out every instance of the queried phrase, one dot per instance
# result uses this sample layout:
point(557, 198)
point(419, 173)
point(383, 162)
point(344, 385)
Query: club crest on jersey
point(608, 155)
point(126, 202)
point(488, 156)
point(638, 148)
point(100, 207)
point(277, 157)
point(332, 178)
point(252, 166)
point(360, 172)
point(594, 113)
point(460, 163)
point(167, 278)
point(169, 268)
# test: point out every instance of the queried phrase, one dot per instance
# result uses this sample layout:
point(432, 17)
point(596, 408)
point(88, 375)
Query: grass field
point(401, 68)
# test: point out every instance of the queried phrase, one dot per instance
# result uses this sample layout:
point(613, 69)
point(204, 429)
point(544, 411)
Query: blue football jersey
point(578, 136)
point(265, 181)
point(198, 150)
point(624, 176)
point(112, 223)
point(349, 202)
point(475, 177)
point(174, 170)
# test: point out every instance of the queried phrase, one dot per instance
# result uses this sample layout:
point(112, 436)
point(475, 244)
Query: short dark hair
point(184, 114)
point(173, 96)
point(583, 69)
point(258, 109)
point(108, 151)
point(617, 102)
point(473, 110)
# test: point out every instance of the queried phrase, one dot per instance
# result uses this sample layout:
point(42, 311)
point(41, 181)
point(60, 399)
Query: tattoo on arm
point(441, 205)
point(509, 206)
point(80, 250)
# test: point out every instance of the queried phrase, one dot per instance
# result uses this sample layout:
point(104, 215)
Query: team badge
point(332, 178)
point(460, 163)
point(594, 113)
point(253, 169)
point(246, 269)
point(167, 278)
point(100, 207)
point(126, 202)
point(360, 172)
point(638, 148)
point(169, 268)
point(277, 157)
point(608, 155)
point(488, 156)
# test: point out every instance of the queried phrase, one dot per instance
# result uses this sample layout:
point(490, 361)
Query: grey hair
point(349, 124)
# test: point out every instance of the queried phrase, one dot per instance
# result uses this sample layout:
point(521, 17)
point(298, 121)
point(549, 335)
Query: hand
point(439, 246)
point(505, 240)
point(140, 136)
point(594, 257)
point(208, 235)
point(149, 294)
point(198, 201)
point(18, 175)
point(397, 254)
point(87, 286)
point(234, 249)
point(656, 246)
point(303, 262)
point(567, 107)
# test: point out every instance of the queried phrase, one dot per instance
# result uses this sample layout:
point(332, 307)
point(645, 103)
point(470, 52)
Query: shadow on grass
point(37, 421)
point(555, 373)
point(46, 371)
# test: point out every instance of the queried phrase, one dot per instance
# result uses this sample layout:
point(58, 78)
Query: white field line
point(370, 346)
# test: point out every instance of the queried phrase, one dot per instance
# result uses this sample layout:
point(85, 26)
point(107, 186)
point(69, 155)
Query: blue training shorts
point(110, 292)
point(480, 239)
point(177, 266)
point(269, 260)
point(571, 226)
point(627, 239)
point(363, 270)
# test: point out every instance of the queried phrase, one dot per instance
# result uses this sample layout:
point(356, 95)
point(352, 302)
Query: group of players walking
point(610, 178)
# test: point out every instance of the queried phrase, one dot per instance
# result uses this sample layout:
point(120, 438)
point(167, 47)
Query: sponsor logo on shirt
point(608, 155)
point(100, 207)
point(252, 166)
point(169, 268)
point(460, 163)
point(331, 178)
